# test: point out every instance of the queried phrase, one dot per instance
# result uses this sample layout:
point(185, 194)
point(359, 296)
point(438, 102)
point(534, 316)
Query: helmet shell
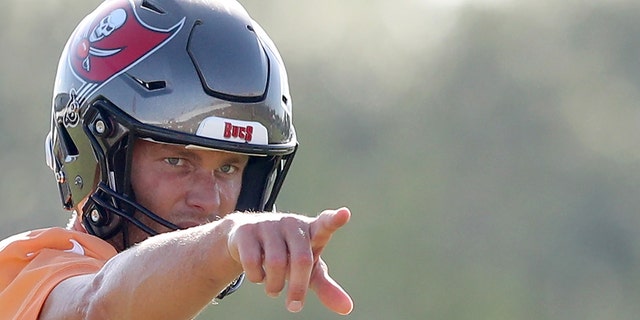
point(191, 72)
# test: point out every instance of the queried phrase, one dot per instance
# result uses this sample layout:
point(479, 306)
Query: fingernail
point(294, 306)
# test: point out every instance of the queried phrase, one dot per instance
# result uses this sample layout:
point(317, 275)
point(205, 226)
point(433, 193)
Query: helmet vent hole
point(285, 99)
point(250, 28)
point(155, 85)
point(152, 7)
point(151, 85)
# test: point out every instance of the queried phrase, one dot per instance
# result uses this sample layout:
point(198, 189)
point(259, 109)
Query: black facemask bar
point(103, 193)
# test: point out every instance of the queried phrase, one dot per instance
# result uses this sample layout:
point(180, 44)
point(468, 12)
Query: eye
point(228, 169)
point(174, 161)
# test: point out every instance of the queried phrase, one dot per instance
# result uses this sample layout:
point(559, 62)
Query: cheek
point(153, 193)
point(230, 191)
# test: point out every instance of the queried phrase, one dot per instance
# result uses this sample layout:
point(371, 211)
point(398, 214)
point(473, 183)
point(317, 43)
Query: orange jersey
point(33, 263)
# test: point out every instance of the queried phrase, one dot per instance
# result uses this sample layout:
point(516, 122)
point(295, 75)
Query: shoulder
point(32, 263)
point(34, 242)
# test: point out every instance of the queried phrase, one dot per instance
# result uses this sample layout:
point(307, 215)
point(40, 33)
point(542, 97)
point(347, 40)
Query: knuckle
point(245, 228)
point(297, 291)
point(302, 260)
point(251, 263)
point(289, 220)
point(276, 263)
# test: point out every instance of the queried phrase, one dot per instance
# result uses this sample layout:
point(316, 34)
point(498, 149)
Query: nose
point(204, 194)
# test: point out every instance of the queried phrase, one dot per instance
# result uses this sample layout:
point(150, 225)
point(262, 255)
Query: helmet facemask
point(112, 208)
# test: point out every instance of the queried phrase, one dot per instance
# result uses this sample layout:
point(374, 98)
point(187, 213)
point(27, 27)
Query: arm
point(177, 274)
point(169, 276)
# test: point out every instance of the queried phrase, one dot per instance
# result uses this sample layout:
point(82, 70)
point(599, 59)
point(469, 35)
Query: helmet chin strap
point(104, 199)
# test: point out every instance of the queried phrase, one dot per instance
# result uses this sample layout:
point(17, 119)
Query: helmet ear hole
point(69, 148)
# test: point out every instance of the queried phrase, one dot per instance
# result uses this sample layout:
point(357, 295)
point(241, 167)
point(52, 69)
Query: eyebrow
point(236, 158)
point(183, 152)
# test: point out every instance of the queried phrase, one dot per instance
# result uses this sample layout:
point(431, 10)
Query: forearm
point(170, 276)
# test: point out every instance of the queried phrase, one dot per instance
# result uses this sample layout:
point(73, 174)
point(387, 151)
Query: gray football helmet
point(197, 73)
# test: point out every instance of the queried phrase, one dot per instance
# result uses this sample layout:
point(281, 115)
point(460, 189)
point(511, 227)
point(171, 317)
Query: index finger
point(328, 222)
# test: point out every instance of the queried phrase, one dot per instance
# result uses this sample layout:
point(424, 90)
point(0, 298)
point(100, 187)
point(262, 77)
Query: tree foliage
point(488, 152)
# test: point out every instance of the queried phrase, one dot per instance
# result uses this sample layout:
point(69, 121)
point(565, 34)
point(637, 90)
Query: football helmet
point(199, 73)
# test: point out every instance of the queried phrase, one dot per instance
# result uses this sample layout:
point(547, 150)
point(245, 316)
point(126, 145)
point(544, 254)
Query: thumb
point(327, 222)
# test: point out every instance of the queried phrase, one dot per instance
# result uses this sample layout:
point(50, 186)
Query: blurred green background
point(488, 150)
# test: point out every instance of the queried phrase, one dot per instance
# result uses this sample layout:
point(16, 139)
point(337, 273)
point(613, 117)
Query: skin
point(176, 274)
point(186, 187)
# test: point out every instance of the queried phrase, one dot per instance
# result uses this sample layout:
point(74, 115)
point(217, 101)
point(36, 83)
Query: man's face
point(187, 187)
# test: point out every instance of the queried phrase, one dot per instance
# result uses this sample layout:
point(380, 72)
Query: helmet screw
point(78, 182)
point(95, 216)
point(100, 127)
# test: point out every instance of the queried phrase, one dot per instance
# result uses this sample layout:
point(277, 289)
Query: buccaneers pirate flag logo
point(115, 40)
point(106, 44)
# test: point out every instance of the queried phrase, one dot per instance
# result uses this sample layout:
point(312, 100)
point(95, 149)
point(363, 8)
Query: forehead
point(151, 148)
